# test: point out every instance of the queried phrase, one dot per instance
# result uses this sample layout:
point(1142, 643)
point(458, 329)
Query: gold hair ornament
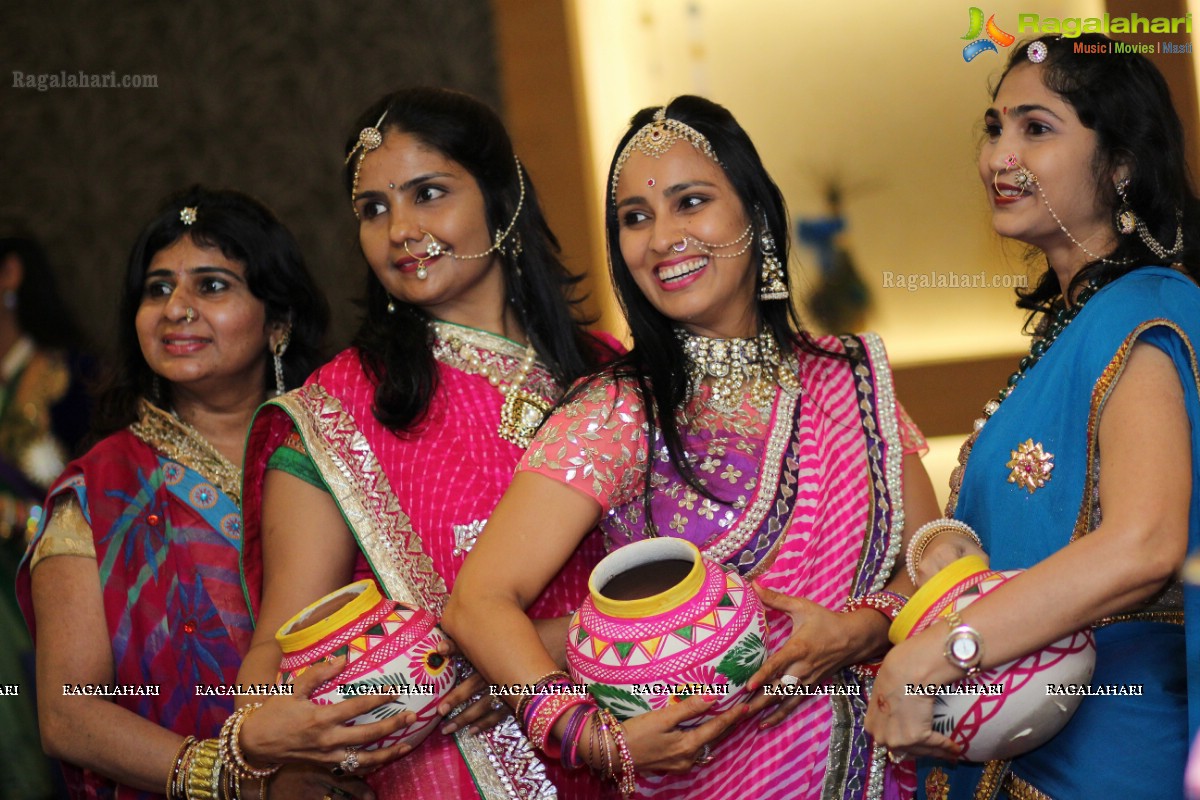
point(368, 139)
point(656, 137)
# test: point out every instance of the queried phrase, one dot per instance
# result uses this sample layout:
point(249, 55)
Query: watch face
point(964, 649)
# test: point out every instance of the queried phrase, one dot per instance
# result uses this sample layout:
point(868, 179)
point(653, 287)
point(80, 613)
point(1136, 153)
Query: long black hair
point(1125, 100)
point(396, 348)
point(244, 230)
point(657, 364)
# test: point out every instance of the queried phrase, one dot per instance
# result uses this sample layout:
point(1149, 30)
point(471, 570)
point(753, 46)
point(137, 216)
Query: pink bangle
point(573, 735)
point(547, 715)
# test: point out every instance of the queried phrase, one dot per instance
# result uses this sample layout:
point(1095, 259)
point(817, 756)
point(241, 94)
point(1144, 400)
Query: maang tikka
point(368, 139)
point(773, 286)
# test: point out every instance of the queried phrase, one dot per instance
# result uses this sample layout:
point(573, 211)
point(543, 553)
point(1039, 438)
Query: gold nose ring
point(190, 314)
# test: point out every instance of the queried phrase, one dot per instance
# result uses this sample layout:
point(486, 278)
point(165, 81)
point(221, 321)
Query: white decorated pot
point(662, 623)
point(388, 647)
point(1010, 710)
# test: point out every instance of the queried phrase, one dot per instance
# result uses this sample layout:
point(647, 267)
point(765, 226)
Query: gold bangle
point(930, 531)
point(174, 784)
point(230, 750)
point(204, 771)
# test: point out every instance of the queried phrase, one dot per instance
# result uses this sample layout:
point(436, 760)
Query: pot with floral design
point(1009, 709)
point(662, 623)
point(391, 650)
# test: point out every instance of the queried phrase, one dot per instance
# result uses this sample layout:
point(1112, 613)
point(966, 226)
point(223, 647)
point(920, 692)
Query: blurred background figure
point(44, 413)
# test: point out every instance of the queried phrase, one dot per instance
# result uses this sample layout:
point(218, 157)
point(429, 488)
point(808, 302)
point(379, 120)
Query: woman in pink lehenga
point(786, 457)
point(388, 462)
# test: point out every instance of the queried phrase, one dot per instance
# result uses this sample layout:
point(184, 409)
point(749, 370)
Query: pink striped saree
point(813, 507)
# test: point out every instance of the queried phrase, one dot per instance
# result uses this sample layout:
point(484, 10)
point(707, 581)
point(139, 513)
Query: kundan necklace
point(473, 352)
point(741, 368)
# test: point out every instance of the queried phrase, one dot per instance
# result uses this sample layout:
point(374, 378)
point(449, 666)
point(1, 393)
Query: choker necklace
point(742, 368)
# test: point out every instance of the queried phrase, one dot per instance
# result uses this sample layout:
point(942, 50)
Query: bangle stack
point(214, 769)
point(930, 531)
point(553, 698)
point(886, 603)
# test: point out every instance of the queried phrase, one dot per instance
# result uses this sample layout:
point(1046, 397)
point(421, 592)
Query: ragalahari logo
point(995, 36)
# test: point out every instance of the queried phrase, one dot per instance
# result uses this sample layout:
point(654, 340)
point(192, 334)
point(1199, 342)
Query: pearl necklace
point(742, 368)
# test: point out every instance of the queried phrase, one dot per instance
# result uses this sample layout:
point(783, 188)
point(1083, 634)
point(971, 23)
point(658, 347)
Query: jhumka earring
point(773, 285)
point(1126, 219)
point(277, 355)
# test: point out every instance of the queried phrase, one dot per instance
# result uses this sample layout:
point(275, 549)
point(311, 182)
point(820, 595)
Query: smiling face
point(410, 195)
point(671, 210)
point(223, 347)
point(1042, 131)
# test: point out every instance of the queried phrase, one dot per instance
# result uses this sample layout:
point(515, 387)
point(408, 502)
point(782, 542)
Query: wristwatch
point(964, 646)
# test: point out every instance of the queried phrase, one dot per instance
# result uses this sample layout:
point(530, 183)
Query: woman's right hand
point(293, 728)
point(658, 744)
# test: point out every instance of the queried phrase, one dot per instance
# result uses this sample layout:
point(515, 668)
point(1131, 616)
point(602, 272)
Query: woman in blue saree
point(1085, 470)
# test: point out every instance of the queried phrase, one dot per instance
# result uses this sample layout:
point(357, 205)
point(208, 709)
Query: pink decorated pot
point(1010, 711)
point(388, 647)
point(662, 623)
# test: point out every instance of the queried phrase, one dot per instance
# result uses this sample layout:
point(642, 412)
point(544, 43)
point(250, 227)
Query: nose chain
point(708, 248)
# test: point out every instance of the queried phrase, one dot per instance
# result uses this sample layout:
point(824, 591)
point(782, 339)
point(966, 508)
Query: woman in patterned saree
point(1086, 470)
point(390, 459)
point(785, 456)
point(132, 579)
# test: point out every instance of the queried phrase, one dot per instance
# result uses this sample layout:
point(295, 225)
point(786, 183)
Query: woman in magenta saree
point(389, 461)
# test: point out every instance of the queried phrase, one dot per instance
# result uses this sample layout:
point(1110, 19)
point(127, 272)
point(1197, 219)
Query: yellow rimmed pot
point(661, 623)
point(391, 650)
point(1007, 710)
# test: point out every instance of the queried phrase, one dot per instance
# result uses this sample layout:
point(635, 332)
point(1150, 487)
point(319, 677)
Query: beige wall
point(874, 93)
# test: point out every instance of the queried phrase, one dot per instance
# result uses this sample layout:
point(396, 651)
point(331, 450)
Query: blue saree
point(1127, 747)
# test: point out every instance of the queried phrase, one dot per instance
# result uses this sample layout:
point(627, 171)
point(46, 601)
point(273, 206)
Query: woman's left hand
point(820, 644)
point(902, 721)
point(311, 782)
point(483, 710)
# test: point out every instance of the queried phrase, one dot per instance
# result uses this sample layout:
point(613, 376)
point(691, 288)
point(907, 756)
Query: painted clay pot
point(387, 646)
point(1011, 711)
point(662, 623)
